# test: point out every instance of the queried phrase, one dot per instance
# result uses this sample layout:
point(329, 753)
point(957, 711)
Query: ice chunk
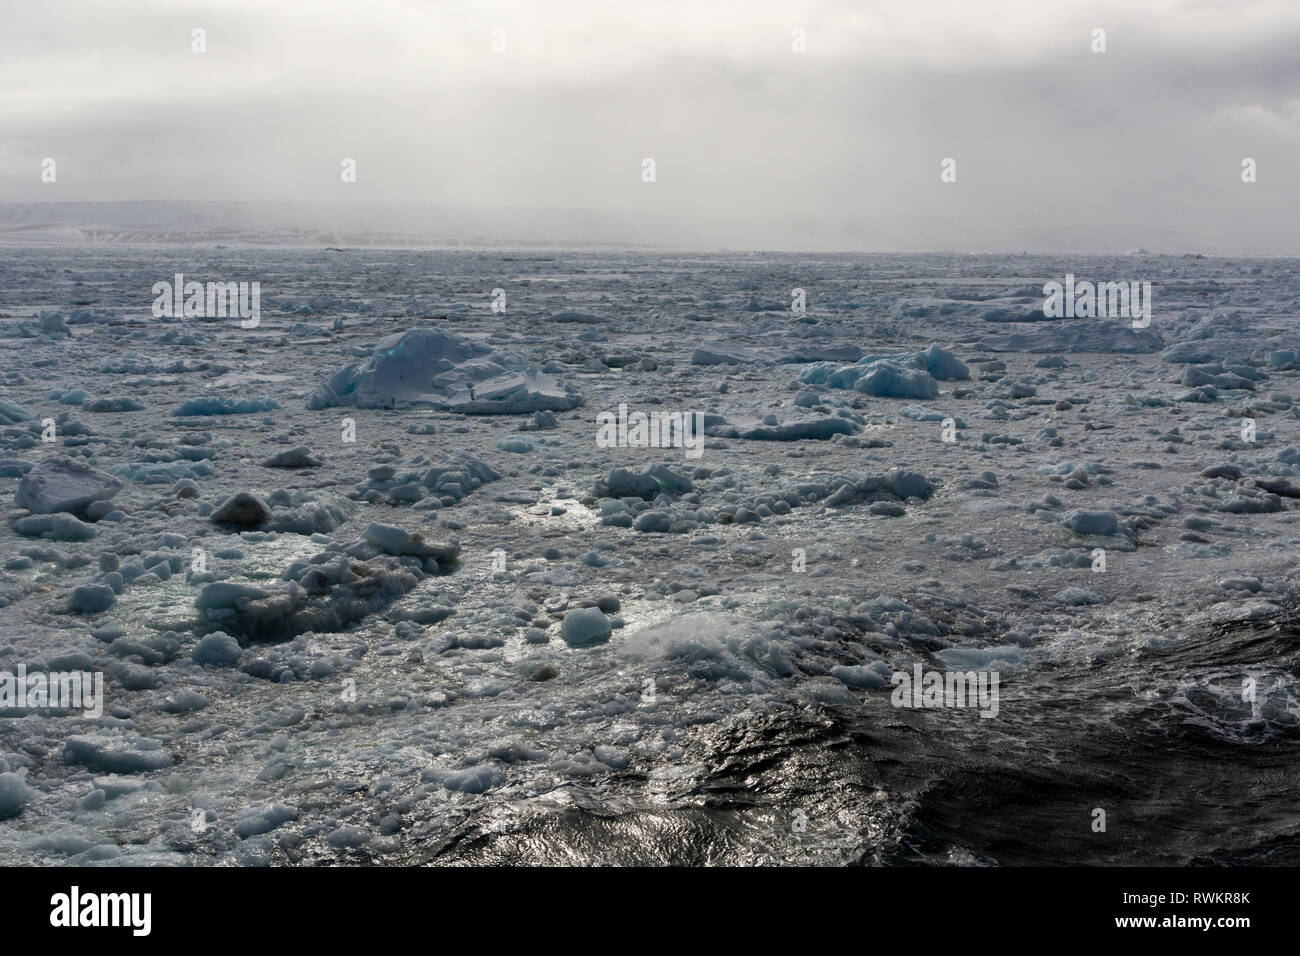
point(892, 380)
point(159, 472)
point(429, 367)
point(720, 356)
point(582, 318)
point(217, 649)
point(544, 420)
point(1092, 522)
point(186, 702)
point(653, 521)
point(1193, 353)
point(1242, 583)
point(1076, 597)
point(942, 364)
point(753, 430)
point(213, 405)
point(397, 541)
point(908, 484)
point(467, 780)
point(1197, 377)
point(514, 393)
point(1096, 335)
point(263, 820)
point(818, 429)
point(221, 595)
point(244, 508)
point(116, 753)
point(90, 598)
point(586, 625)
point(113, 405)
point(14, 795)
point(910, 375)
point(861, 675)
point(56, 527)
point(300, 457)
point(622, 483)
point(1281, 359)
point(821, 353)
point(62, 484)
point(11, 414)
point(329, 593)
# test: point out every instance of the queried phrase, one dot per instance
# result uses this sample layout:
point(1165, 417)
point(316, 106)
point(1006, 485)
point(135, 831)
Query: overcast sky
point(755, 145)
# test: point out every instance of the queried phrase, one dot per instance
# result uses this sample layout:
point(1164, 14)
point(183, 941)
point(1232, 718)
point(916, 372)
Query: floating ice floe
point(160, 473)
point(14, 795)
point(755, 429)
point(910, 375)
point(217, 649)
point(622, 483)
point(1196, 376)
point(723, 354)
point(113, 405)
point(300, 457)
point(243, 508)
point(647, 503)
point(62, 484)
point(328, 592)
point(91, 598)
point(1084, 335)
point(125, 752)
point(720, 356)
point(1092, 522)
point(585, 625)
point(1193, 353)
point(56, 527)
point(432, 368)
point(420, 482)
point(214, 405)
point(11, 414)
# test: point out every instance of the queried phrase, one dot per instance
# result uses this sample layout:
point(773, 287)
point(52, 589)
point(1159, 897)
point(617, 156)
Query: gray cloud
point(1057, 148)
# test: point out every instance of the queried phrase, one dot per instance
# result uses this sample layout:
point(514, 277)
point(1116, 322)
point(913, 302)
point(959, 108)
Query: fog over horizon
point(1058, 148)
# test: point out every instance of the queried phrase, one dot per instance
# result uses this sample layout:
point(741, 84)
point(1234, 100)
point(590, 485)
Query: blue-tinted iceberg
point(432, 368)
